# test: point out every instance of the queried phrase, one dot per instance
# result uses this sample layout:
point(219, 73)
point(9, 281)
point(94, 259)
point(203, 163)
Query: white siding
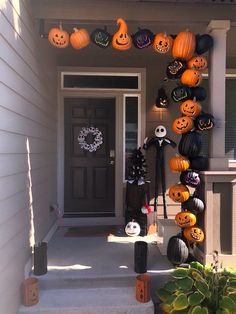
point(28, 105)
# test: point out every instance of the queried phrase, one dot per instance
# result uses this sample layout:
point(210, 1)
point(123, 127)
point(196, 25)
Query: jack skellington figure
point(159, 141)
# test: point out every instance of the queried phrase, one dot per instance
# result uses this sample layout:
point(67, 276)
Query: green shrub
point(199, 290)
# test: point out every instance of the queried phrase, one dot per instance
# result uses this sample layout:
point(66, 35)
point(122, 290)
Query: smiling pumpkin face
point(179, 193)
point(121, 40)
point(190, 108)
point(194, 234)
point(182, 125)
point(197, 63)
point(185, 219)
point(162, 43)
point(58, 38)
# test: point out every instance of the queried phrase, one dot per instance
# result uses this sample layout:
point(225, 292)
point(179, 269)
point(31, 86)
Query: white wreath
point(98, 140)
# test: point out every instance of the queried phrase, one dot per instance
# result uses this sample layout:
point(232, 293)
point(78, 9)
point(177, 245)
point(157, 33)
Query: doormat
point(94, 231)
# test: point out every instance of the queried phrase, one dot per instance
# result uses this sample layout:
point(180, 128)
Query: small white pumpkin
point(132, 229)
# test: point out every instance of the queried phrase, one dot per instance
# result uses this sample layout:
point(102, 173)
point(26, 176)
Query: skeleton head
point(160, 131)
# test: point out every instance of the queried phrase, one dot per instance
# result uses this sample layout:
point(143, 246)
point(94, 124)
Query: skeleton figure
point(159, 141)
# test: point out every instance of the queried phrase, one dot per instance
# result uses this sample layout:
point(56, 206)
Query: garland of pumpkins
point(188, 67)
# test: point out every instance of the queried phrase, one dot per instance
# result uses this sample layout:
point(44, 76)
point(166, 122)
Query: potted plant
point(199, 290)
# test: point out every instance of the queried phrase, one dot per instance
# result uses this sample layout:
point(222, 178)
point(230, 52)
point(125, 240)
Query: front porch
point(79, 262)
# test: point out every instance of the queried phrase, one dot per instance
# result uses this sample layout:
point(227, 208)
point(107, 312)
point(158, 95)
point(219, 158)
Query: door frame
point(119, 139)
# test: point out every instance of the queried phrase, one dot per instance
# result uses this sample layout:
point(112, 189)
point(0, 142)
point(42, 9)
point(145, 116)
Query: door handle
point(112, 162)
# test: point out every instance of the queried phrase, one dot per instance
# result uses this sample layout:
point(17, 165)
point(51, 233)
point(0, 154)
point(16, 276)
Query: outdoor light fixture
point(162, 100)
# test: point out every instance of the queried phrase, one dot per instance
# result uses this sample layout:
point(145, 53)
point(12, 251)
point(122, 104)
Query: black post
point(40, 259)
point(140, 257)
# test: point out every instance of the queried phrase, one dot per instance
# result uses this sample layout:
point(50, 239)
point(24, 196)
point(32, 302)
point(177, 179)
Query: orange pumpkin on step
point(184, 45)
point(179, 193)
point(58, 37)
point(121, 40)
point(80, 38)
point(194, 234)
point(182, 125)
point(179, 163)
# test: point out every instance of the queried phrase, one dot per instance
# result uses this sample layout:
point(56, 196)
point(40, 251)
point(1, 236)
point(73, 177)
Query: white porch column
point(217, 68)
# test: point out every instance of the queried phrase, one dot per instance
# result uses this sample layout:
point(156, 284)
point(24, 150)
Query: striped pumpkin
point(184, 45)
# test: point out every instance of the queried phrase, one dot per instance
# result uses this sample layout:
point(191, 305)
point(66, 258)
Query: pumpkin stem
point(75, 29)
point(194, 99)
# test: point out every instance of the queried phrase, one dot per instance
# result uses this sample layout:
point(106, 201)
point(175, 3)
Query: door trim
point(119, 138)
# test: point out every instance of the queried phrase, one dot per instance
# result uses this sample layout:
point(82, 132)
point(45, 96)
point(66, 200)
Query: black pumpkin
point(199, 93)
point(177, 250)
point(175, 68)
point(203, 43)
point(205, 122)
point(190, 144)
point(162, 100)
point(181, 93)
point(191, 178)
point(199, 163)
point(101, 37)
point(194, 205)
point(143, 38)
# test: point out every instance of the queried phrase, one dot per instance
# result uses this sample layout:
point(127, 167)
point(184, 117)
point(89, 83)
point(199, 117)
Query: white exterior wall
point(28, 149)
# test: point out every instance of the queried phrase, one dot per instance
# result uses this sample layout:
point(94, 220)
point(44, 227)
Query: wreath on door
point(98, 139)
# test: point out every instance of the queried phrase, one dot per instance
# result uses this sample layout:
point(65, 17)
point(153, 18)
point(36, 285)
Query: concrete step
point(118, 300)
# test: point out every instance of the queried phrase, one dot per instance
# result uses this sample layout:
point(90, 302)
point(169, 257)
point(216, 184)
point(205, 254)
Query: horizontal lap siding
point(28, 117)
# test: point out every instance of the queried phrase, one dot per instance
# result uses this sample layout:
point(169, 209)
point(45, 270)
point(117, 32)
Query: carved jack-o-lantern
point(132, 229)
point(194, 234)
point(191, 78)
point(205, 122)
point(121, 40)
point(182, 125)
point(101, 37)
point(185, 219)
point(175, 68)
point(181, 93)
point(58, 37)
point(143, 38)
point(197, 63)
point(190, 178)
point(190, 108)
point(162, 43)
point(179, 193)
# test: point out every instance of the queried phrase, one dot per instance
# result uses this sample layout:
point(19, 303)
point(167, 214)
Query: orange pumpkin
point(80, 38)
point(162, 43)
point(179, 193)
point(184, 45)
point(185, 219)
point(197, 63)
point(191, 78)
point(194, 234)
point(190, 108)
point(179, 163)
point(121, 40)
point(182, 125)
point(58, 37)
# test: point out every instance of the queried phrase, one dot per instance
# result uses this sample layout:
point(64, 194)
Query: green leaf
point(230, 290)
point(165, 308)
point(170, 300)
point(197, 276)
point(232, 283)
point(196, 298)
point(199, 310)
point(181, 302)
point(163, 294)
point(226, 303)
point(179, 312)
point(203, 288)
point(180, 273)
point(171, 286)
point(197, 266)
point(232, 296)
point(222, 281)
point(185, 284)
point(230, 271)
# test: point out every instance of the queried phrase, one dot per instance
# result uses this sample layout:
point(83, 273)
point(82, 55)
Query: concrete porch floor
point(104, 262)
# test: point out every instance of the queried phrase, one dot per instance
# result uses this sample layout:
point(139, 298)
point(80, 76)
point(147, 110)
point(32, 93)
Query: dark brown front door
point(89, 176)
